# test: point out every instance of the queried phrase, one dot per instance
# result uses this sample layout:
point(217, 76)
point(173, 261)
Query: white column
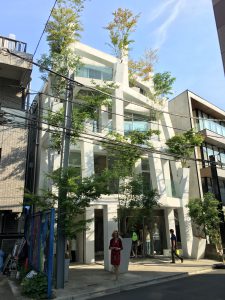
point(109, 215)
point(184, 219)
point(157, 175)
point(89, 241)
point(138, 168)
point(167, 177)
point(169, 223)
point(87, 158)
point(104, 120)
point(118, 112)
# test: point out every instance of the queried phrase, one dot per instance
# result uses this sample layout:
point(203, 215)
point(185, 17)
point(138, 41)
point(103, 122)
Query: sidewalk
point(90, 281)
point(5, 289)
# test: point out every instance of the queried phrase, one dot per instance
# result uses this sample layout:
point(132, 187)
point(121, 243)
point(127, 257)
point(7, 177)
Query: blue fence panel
point(40, 240)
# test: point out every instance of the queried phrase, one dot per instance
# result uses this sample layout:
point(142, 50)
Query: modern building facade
point(14, 80)
point(194, 112)
point(131, 110)
point(219, 12)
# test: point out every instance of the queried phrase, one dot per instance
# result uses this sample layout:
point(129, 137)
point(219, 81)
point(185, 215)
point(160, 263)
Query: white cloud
point(157, 12)
point(169, 10)
point(162, 31)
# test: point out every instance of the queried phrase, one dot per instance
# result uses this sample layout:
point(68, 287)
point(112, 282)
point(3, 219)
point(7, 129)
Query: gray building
point(219, 12)
point(15, 75)
point(190, 111)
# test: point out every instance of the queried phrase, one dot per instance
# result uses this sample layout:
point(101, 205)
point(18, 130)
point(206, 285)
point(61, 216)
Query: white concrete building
point(131, 110)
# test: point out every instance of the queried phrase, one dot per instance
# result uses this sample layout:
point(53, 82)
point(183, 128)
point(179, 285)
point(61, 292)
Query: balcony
point(12, 45)
point(14, 68)
point(213, 138)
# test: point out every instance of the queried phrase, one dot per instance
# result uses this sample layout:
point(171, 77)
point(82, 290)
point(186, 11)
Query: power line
point(105, 93)
point(35, 51)
point(108, 140)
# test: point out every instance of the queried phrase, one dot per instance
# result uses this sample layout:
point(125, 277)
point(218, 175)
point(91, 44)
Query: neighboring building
point(219, 12)
point(14, 80)
point(161, 171)
point(208, 119)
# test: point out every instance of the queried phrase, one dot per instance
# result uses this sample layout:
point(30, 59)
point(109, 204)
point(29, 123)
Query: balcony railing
point(12, 44)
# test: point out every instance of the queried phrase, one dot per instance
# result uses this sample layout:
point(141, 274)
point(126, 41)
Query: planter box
point(198, 248)
point(66, 269)
point(211, 252)
point(125, 255)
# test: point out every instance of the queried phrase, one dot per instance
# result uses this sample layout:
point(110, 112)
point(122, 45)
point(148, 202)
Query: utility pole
point(61, 239)
point(216, 191)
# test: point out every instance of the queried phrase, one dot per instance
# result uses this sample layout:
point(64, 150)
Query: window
point(135, 122)
point(146, 176)
point(95, 72)
point(75, 161)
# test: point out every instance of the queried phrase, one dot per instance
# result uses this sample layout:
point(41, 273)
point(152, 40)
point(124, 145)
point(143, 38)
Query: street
point(205, 286)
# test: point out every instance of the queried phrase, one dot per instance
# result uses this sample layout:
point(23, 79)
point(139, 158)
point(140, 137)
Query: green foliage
point(143, 67)
point(75, 196)
point(136, 200)
point(125, 151)
point(85, 108)
point(183, 145)
point(134, 197)
point(62, 30)
point(123, 24)
point(35, 287)
point(204, 213)
point(163, 83)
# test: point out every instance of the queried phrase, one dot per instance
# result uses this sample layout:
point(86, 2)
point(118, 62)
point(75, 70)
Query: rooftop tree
point(62, 30)
point(120, 29)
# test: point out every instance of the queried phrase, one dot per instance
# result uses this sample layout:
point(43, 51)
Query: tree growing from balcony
point(63, 29)
point(183, 145)
point(134, 197)
point(120, 28)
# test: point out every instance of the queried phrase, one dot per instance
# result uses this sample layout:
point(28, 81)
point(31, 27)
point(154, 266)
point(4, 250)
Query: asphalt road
point(207, 286)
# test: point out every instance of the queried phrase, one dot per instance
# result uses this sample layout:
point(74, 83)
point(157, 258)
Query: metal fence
point(12, 44)
point(40, 241)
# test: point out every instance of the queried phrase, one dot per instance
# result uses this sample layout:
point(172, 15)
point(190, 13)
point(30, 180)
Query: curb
point(137, 285)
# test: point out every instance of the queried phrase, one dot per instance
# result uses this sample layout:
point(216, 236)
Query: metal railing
point(11, 44)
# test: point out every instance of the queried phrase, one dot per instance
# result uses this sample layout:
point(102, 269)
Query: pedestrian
point(173, 239)
point(115, 246)
point(134, 238)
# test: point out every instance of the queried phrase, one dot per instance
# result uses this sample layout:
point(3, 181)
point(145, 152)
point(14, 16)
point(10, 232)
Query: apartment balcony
point(213, 137)
point(11, 67)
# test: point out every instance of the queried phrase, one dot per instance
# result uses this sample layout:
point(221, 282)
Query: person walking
point(134, 238)
point(115, 246)
point(173, 239)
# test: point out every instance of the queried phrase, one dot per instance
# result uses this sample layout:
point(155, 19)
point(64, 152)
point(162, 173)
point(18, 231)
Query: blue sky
point(183, 31)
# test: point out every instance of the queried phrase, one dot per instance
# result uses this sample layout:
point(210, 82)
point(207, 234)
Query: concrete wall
point(10, 93)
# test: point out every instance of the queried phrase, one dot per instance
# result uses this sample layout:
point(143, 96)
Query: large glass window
point(95, 72)
point(206, 122)
point(135, 122)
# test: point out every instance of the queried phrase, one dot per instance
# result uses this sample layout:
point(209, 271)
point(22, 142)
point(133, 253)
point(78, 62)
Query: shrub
point(35, 287)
